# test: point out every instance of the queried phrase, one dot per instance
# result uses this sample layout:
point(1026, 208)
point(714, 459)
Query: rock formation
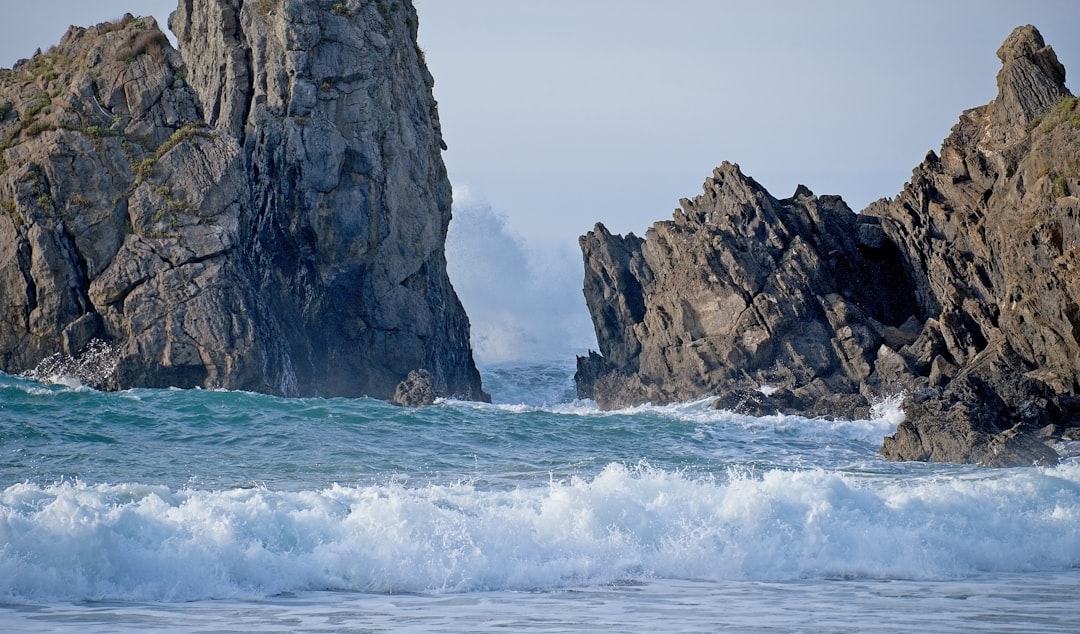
point(263, 210)
point(959, 292)
point(415, 391)
point(988, 231)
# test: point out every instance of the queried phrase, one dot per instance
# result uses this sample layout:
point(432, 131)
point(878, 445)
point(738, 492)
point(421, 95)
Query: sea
point(216, 511)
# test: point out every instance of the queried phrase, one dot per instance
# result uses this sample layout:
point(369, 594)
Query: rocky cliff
point(959, 292)
point(263, 210)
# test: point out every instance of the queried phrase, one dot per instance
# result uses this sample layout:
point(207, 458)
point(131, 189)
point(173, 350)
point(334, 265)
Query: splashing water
point(93, 367)
point(247, 507)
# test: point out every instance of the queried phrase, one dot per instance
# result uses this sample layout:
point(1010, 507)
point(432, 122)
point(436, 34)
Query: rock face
point(740, 290)
point(960, 291)
point(264, 210)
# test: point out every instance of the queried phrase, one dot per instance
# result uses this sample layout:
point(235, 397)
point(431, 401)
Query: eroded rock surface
point(265, 210)
point(740, 290)
point(415, 391)
point(960, 292)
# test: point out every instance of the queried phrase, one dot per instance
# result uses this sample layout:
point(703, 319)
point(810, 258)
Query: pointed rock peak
point(729, 177)
point(802, 193)
point(729, 170)
point(1031, 82)
point(1025, 42)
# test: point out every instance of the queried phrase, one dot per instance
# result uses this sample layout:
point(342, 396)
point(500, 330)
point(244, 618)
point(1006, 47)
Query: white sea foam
point(889, 409)
point(45, 386)
point(883, 421)
point(548, 387)
point(72, 541)
point(70, 382)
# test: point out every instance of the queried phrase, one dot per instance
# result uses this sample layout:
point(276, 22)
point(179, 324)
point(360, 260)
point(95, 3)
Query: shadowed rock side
point(959, 292)
point(989, 231)
point(739, 291)
point(265, 211)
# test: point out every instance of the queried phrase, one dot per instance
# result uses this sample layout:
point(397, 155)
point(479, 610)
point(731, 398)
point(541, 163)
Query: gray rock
point(739, 290)
point(959, 292)
point(1030, 84)
point(265, 210)
point(985, 230)
point(416, 390)
point(964, 424)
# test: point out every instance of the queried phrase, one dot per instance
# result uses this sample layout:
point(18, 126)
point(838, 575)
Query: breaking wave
point(73, 541)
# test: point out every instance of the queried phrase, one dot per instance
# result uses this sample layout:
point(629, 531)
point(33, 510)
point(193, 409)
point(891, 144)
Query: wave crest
point(72, 541)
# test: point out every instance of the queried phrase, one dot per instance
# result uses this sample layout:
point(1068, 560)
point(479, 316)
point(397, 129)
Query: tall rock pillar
point(350, 199)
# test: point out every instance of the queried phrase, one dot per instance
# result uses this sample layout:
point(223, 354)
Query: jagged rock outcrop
point(264, 210)
point(738, 291)
point(989, 230)
point(960, 291)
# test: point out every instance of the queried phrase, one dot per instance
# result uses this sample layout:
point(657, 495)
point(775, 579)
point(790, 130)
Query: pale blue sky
point(562, 113)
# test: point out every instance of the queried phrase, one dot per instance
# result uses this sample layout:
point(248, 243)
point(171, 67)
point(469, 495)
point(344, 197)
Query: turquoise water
point(223, 511)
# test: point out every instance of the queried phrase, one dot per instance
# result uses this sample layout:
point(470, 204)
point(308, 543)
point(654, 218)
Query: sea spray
point(94, 366)
point(523, 299)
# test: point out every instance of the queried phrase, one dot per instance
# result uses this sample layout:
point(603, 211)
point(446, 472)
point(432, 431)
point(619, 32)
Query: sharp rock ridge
point(959, 292)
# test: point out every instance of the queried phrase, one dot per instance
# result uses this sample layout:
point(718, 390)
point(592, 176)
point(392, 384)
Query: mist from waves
point(523, 299)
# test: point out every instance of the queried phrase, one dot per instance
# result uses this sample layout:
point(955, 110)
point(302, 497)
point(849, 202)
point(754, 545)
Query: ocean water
point(204, 511)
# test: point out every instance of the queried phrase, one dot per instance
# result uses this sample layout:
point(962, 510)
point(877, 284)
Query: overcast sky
point(561, 113)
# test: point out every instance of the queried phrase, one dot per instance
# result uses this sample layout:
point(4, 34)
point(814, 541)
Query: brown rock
point(965, 283)
point(416, 390)
point(738, 290)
